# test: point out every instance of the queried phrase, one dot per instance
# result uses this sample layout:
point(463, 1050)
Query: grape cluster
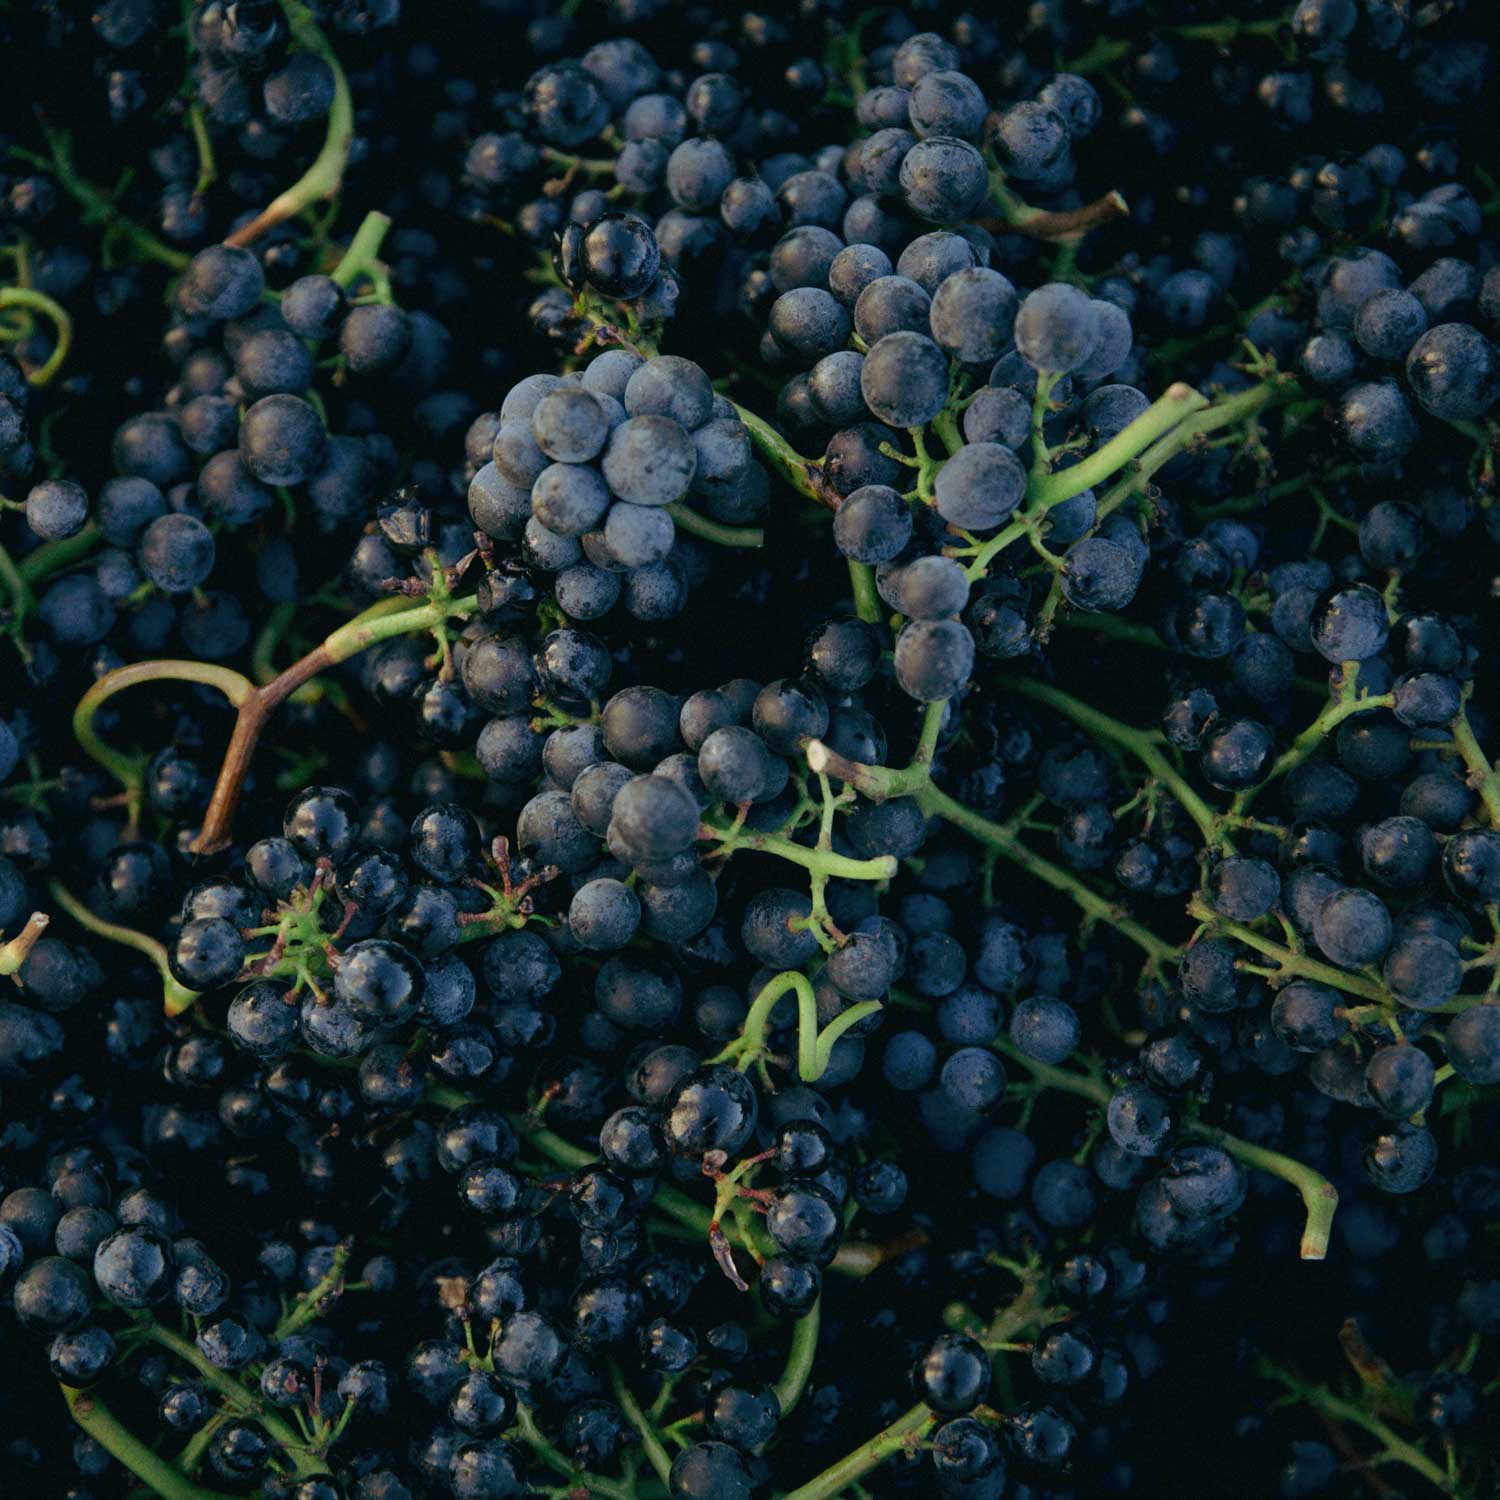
point(748, 757)
point(588, 473)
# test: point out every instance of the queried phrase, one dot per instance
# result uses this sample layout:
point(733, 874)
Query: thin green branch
point(1144, 744)
point(53, 557)
point(1223, 413)
point(695, 523)
point(1060, 227)
point(21, 602)
point(98, 207)
point(650, 1441)
point(1179, 402)
point(1348, 703)
point(1007, 843)
point(302, 1458)
point(805, 475)
point(905, 1433)
point(326, 174)
point(1484, 775)
point(855, 1258)
point(361, 258)
point(1394, 1448)
point(915, 781)
point(1319, 1196)
point(129, 770)
point(13, 954)
point(799, 1360)
point(101, 1424)
point(866, 596)
point(38, 302)
point(814, 1047)
point(819, 861)
point(579, 1480)
point(310, 1304)
point(176, 998)
point(208, 171)
point(1294, 965)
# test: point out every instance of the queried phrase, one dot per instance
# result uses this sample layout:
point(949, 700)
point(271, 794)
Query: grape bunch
point(593, 474)
point(748, 757)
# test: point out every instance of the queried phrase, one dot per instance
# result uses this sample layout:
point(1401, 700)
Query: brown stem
point(390, 617)
point(1069, 224)
point(257, 708)
point(1374, 1372)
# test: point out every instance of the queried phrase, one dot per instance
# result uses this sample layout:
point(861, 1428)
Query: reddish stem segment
point(253, 714)
point(1069, 225)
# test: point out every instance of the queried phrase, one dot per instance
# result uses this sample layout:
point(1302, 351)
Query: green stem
point(553, 1146)
point(1006, 842)
point(650, 1442)
point(799, 1360)
point(306, 1463)
point(176, 998)
point(1102, 53)
point(387, 619)
point(906, 1432)
point(805, 475)
point(1483, 775)
point(56, 314)
point(21, 598)
point(945, 425)
point(932, 727)
point(207, 170)
point(1319, 1196)
point(1395, 1447)
point(548, 1143)
point(191, 1457)
point(695, 523)
point(1179, 402)
point(1292, 964)
point(361, 258)
point(129, 770)
point(926, 465)
point(101, 1424)
point(1082, 1085)
point(855, 1258)
point(819, 861)
point(1116, 629)
point(309, 1304)
point(578, 1479)
point(13, 954)
point(1026, 1312)
point(589, 166)
point(1345, 706)
point(53, 557)
point(1056, 226)
point(1047, 489)
point(1222, 33)
point(263, 653)
point(1142, 743)
point(814, 1047)
point(915, 781)
point(98, 207)
point(326, 174)
point(866, 596)
point(1221, 414)
point(382, 621)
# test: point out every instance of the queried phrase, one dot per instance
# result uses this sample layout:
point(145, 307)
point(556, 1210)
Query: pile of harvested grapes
point(749, 756)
